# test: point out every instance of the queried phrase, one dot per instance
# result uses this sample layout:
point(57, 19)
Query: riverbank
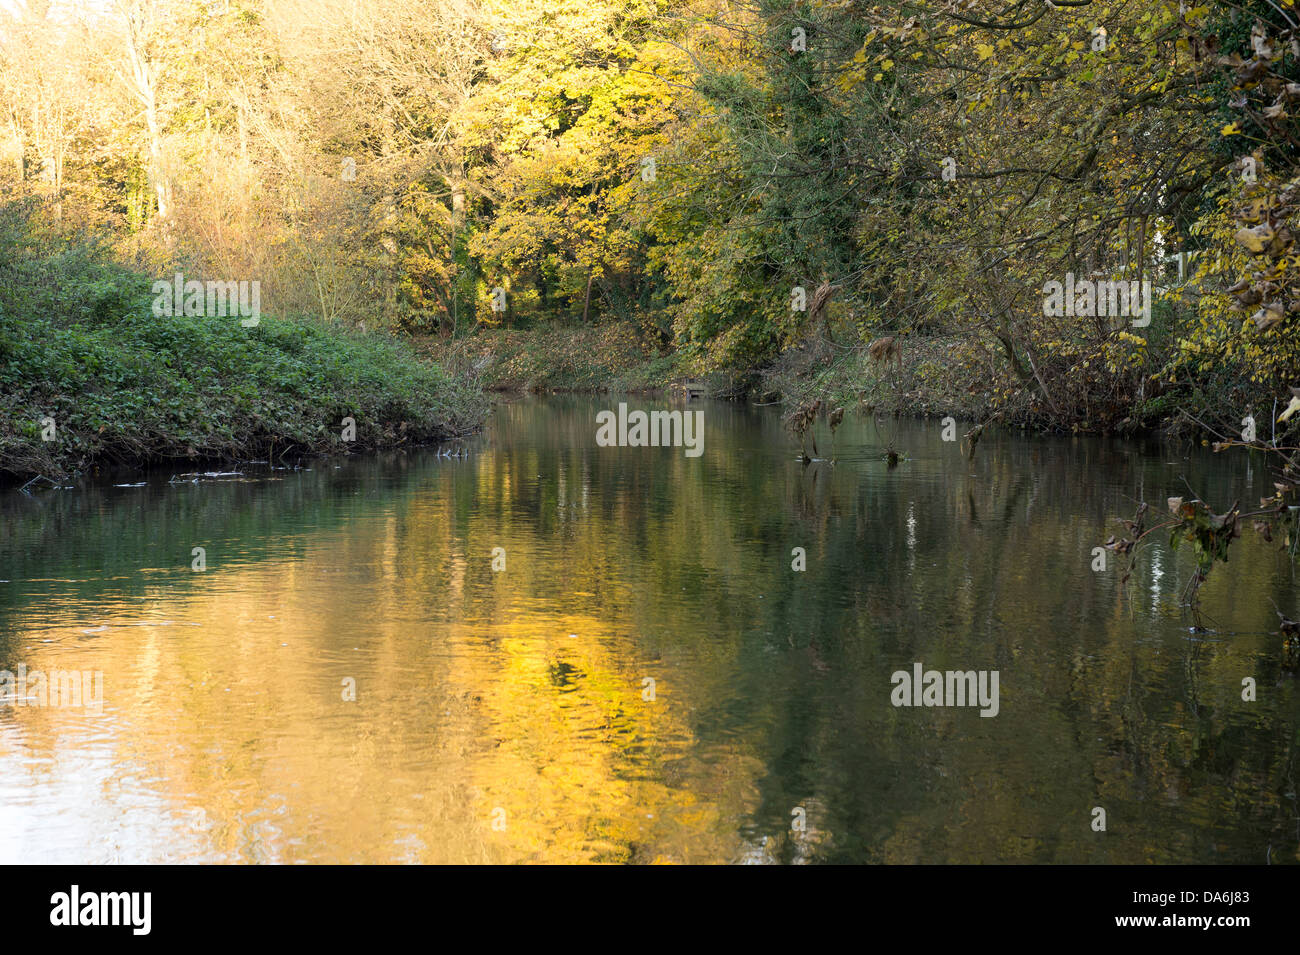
point(615, 356)
point(618, 357)
point(132, 391)
point(90, 377)
point(931, 376)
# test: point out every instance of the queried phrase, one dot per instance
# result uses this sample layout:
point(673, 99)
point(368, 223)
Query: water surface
point(504, 716)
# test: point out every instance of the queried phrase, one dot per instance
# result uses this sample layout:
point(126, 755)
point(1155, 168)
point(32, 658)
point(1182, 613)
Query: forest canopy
point(751, 185)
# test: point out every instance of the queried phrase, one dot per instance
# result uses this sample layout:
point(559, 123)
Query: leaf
point(1291, 409)
point(1256, 238)
point(1268, 316)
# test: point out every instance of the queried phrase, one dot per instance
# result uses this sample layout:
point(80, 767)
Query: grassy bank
point(612, 357)
point(931, 378)
point(934, 376)
point(963, 376)
point(89, 376)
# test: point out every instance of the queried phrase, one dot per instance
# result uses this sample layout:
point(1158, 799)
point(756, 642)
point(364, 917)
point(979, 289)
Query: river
point(551, 651)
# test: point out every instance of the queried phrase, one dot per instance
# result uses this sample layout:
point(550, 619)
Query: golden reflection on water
point(226, 735)
point(505, 717)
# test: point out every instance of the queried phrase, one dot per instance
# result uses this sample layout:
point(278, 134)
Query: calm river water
point(646, 679)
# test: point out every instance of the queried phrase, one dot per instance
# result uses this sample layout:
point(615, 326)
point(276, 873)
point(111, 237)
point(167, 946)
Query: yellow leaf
point(985, 50)
point(1232, 129)
point(1256, 238)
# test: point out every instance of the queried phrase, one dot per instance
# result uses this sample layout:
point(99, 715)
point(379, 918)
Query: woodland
point(437, 197)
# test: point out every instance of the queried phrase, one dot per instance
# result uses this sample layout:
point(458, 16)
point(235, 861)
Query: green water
point(507, 715)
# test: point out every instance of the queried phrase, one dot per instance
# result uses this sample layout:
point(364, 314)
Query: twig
point(39, 477)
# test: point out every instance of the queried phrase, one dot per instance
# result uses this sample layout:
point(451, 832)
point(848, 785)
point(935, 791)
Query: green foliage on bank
point(79, 343)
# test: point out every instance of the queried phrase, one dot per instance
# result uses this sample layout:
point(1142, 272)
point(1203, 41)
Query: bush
point(79, 343)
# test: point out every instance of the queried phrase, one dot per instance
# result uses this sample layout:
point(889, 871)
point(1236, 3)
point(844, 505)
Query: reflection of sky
point(1156, 573)
point(78, 804)
point(224, 736)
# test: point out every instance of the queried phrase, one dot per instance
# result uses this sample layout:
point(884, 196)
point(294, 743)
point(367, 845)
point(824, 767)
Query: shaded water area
point(504, 716)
